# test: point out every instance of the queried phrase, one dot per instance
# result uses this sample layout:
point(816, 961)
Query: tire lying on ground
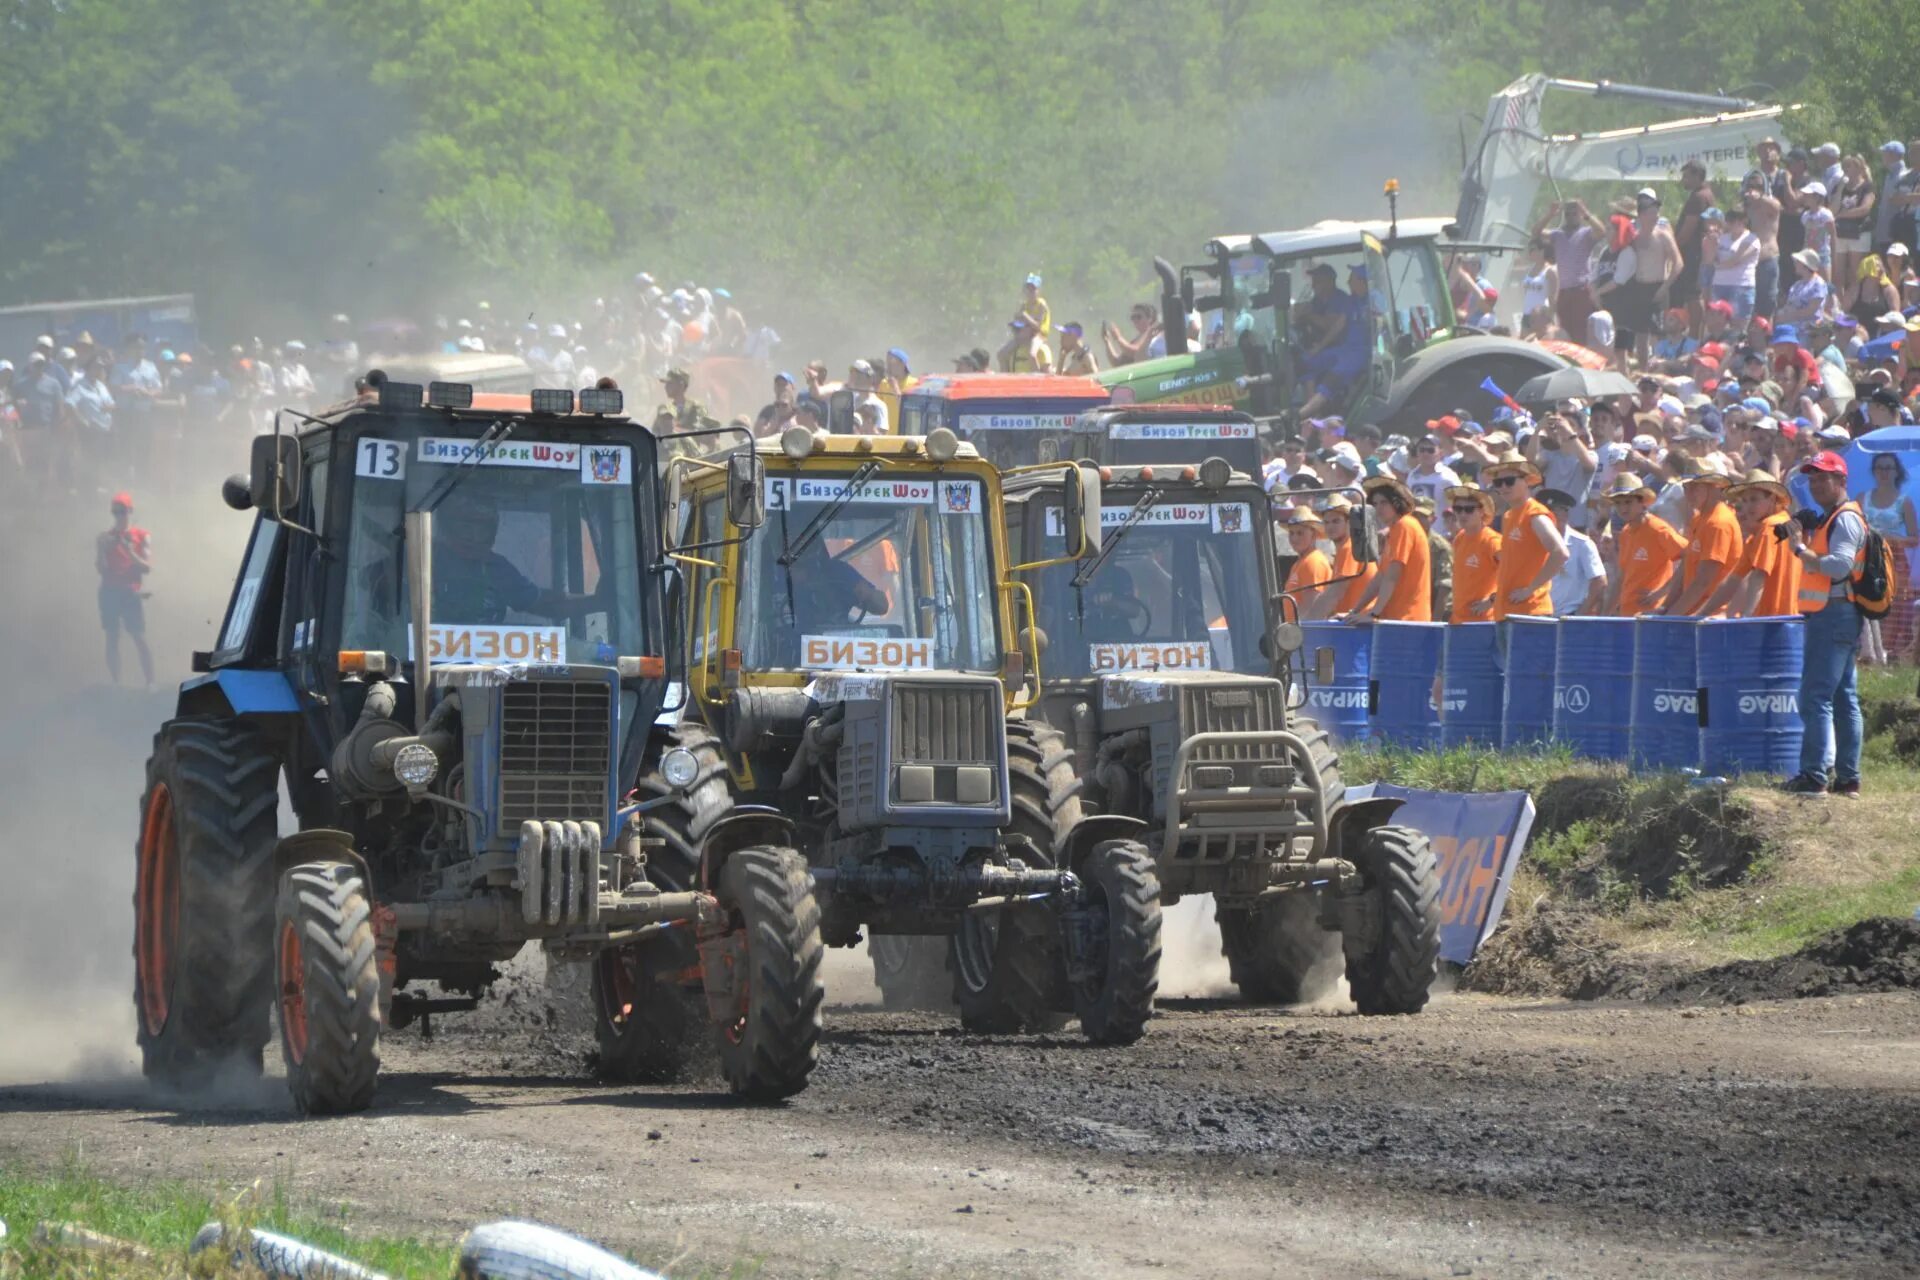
point(329, 980)
point(203, 901)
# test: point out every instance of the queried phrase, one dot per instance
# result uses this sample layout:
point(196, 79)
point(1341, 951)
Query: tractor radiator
point(1226, 708)
point(556, 751)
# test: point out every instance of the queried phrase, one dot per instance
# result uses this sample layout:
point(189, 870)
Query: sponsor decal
point(606, 464)
point(1676, 702)
point(1120, 692)
point(826, 690)
point(1338, 699)
point(1770, 704)
point(1179, 655)
point(970, 422)
point(796, 491)
point(493, 645)
point(1221, 517)
point(541, 455)
point(855, 653)
point(1181, 431)
point(959, 497)
point(1574, 698)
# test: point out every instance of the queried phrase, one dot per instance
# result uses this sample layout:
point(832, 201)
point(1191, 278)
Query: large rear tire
point(1270, 948)
point(203, 902)
point(1115, 1002)
point(329, 982)
point(1396, 973)
point(1008, 973)
point(911, 971)
point(646, 1024)
point(768, 1052)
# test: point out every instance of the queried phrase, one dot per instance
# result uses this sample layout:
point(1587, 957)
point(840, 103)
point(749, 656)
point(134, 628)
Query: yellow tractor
point(853, 678)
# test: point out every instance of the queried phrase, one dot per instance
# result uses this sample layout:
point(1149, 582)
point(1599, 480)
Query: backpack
point(1874, 585)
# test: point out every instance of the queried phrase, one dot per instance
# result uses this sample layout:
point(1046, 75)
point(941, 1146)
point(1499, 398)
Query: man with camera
point(1830, 553)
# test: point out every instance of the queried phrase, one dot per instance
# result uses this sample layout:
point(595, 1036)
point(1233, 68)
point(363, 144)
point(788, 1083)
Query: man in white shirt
point(1431, 477)
point(1581, 585)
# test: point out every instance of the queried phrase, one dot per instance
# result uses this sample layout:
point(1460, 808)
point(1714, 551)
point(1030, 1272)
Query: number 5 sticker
point(381, 459)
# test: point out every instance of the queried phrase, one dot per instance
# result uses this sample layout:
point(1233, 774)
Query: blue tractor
point(523, 784)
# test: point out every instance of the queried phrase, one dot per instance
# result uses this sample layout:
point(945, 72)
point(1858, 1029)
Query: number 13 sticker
point(381, 459)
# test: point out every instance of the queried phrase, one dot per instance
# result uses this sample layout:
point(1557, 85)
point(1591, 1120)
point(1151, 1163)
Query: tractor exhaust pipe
point(1173, 309)
point(419, 530)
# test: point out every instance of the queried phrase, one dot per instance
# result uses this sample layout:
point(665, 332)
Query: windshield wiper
point(1148, 501)
point(818, 525)
point(443, 487)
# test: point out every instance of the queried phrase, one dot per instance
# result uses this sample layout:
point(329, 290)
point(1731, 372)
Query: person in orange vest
point(1531, 548)
point(1476, 554)
point(1829, 556)
point(1350, 577)
point(1714, 540)
point(1766, 582)
point(1307, 581)
point(1645, 549)
point(1402, 589)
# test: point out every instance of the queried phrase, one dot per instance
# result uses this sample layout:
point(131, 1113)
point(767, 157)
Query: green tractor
point(1253, 294)
point(453, 636)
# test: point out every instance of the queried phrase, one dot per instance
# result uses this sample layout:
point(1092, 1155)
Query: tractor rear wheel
point(329, 982)
point(911, 971)
point(1395, 973)
point(1271, 947)
point(645, 1021)
point(203, 901)
point(1008, 973)
point(768, 1050)
point(1116, 999)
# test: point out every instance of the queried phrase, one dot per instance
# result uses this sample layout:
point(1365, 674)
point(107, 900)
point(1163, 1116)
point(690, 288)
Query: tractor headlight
point(415, 765)
point(679, 768)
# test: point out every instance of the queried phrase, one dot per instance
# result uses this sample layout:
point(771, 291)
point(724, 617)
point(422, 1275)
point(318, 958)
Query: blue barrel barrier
point(1749, 681)
point(1592, 682)
point(1665, 728)
point(1406, 658)
point(1341, 707)
point(1526, 718)
point(1473, 688)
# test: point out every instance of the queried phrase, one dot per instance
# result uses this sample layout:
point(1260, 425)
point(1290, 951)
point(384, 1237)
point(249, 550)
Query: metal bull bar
point(1307, 796)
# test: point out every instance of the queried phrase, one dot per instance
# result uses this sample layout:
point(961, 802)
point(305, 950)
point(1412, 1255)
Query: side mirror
point(1363, 534)
point(1323, 666)
point(274, 486)
point(671, 518)
point(1082, 510)
point(746, 489)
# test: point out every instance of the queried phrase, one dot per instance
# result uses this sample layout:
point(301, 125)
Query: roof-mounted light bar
point(449, 395)
point(602, 400)
point(558, 400)
point(401, 395)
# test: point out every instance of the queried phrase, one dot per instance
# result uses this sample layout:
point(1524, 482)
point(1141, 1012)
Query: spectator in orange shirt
point(1307, 581)
point(1402, 589)
point(1766, 581)
point(1531, 548)
point(1344, 595)
point(1645, 548)
point(1714, 543)
point(1476, 554)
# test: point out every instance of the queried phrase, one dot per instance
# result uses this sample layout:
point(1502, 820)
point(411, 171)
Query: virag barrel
point(1749, 673)
point(1340, 707)
point(1664, 730)
point(1406, 658)
point(1473, 688)
point(1527, 716)
point(1593, 686)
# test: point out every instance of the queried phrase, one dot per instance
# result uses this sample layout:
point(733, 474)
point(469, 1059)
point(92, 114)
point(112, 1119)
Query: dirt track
point(1485, 1137)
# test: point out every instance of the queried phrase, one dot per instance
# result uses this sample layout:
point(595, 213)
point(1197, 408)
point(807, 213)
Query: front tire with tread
point(329, 979)
point(1125, 890)
point(772, 1049)
point(1396, 973)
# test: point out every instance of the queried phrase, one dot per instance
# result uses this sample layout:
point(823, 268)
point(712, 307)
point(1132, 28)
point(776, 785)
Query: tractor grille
point(947, 724)
point(556, 751)
point(1254, 707)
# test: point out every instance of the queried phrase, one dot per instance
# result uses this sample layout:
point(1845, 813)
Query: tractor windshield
point(535, 550)
point(899, 574)
point(1182, 590)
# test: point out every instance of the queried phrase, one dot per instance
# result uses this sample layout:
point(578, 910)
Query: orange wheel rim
point(157, 926)
point(618, 990)
point(742, 985)
point(293, 995)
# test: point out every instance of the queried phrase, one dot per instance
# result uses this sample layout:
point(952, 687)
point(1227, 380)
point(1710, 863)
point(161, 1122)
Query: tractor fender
point(1355, 818)
point(233, 692)
point(745, 826)
point(1437, 359)
point(1097, 829)
point(319, 844)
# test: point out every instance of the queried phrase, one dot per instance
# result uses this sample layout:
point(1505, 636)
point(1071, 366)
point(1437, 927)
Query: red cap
point(1765, 325)
point(1714, 349)
point(1707, 362)
point(123, 499)
point(1720, 307)
point(1826, 460)
point(1788, 430)
point(1448, 423)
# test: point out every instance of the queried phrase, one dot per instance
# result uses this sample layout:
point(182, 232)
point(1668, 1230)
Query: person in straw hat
point(1645, 549)
point(1307, 580)
point(1714, 542)
point(1531, 548)
point(1402, 589)
point(1350, 577)
point(1476, 554)
point(1766, 581)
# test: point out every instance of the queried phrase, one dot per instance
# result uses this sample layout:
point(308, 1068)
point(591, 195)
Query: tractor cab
point(1135, 435)
point(1013, 419)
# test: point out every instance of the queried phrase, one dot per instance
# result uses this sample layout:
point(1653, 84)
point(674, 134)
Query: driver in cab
point(1113, 606)
point(473, 583)
point(828, 593)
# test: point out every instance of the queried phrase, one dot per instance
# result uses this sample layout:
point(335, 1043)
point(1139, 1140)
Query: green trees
point(869, 172)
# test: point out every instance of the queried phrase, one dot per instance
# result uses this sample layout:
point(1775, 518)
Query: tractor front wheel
point(329, 981)
point(1121, 972)
point(769, 1033)
point(1394, 970)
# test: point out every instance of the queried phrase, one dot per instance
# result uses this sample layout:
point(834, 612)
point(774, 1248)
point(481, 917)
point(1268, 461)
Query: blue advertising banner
point(1477, 838)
